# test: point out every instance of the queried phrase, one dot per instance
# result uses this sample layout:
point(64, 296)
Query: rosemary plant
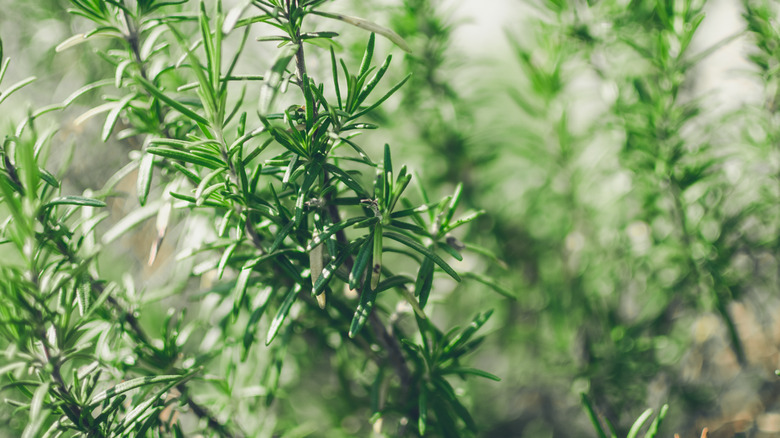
point(638, 215)
point(288, 229)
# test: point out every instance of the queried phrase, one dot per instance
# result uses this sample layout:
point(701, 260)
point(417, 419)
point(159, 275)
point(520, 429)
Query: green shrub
point(286, 229)
point(227, 175)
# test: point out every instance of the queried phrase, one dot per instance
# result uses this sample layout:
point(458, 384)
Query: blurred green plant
point(439, 111)
point(632, 227)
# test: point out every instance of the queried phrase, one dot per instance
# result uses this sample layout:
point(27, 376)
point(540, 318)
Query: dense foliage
point(277, 218)
point(226, 220)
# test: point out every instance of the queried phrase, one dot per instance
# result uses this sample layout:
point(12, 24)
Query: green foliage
point(652, 428)
point(294, 241)
point(634, 227)
point(264, 259)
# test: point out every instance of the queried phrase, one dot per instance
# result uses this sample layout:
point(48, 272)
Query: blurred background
point(627, 155)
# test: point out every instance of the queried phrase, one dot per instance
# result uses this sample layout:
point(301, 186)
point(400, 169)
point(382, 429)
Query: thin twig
point(203, 413)
point(132, 38)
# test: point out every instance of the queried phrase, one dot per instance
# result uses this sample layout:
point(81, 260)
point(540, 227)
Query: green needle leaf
point(367, 299)
point(361, 262)
point(424, 251)
point(281, 314)
point(187, 157)
point(136, 383)
point(333, 265)
point(382, 99)
point(83, 291)
point(593, 417)
point(376, 256)
point(423, 406)
point(422, 287)
point(113, 116)
point(369, 26)
point(467, 333)
point(75, 200)
point(239, 291)
point(273, 78)
point(280, 235)
point(652, 432)
point(473, 371)
point(178, 106)
point(144, 181)
point(312, 172)
point(347, 179)
point(335, 228)
point(15, 87)
point(36, 406)
point(489, 282)
point(369, 53)
point(634, 431)
point(225, 258)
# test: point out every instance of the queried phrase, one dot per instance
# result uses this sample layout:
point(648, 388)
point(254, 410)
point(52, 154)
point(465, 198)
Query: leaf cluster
point(296, 240)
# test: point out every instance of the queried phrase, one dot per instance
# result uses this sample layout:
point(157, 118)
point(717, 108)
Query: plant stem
point(203, 413)
point(391, 345)
point(132, 38)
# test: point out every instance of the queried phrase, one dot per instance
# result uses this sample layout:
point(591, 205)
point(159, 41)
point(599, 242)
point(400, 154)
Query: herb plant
point(285, 225)
point(218, 224)
point(644, 214)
